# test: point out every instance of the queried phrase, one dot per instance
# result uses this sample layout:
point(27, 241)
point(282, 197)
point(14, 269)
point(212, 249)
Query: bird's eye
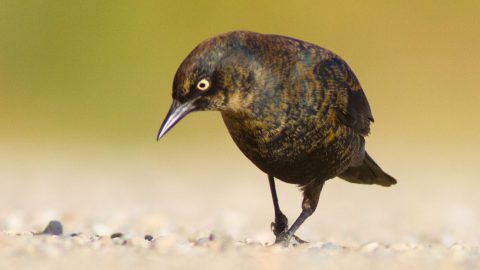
point(203, 84)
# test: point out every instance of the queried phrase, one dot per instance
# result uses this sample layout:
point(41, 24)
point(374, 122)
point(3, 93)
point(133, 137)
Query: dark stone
point(54, 227)
point(211, 237)
point(116, 235)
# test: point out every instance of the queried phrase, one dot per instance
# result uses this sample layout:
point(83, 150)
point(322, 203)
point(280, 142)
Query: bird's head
point(217, 75)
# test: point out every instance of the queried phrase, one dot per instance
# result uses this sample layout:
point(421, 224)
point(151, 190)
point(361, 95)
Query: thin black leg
point(273, 190)
point(299, 221)
point(281, 222)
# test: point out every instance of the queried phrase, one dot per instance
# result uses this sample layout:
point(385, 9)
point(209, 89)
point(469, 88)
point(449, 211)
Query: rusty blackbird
point(296, 110)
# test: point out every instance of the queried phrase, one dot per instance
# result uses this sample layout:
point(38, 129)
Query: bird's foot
point(298, 240)
point(286, 239)
point(280, 230)
point(280, 225)
point(283, 239)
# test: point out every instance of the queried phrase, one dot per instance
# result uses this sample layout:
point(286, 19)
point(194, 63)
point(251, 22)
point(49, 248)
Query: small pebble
point(202, 241)
point(400, 247)
point(148, 237)
point(54, 227)
point(211, 237)
point(101, 229)
point(330, 246)
point(116, 235)
point(370, 247)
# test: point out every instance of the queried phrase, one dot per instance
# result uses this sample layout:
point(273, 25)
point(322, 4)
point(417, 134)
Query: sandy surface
point(222, 252)
point(214, 219)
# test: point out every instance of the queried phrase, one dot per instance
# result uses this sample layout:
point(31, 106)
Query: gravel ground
point(124, 213)
point(177, 249)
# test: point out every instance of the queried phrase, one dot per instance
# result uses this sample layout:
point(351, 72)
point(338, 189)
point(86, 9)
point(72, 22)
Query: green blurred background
point(99, 73)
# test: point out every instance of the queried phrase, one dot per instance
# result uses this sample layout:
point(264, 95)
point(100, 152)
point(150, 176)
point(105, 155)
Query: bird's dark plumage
point(296, 110)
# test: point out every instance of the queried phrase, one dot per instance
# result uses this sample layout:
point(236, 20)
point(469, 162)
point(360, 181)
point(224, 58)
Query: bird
point(295, 109)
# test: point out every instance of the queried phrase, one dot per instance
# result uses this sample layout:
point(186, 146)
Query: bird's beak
point(176, 113)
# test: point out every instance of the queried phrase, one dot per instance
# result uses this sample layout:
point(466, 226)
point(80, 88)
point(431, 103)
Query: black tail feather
point(368, 173)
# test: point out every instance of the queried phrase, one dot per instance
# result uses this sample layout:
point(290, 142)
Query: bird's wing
point(337, 77)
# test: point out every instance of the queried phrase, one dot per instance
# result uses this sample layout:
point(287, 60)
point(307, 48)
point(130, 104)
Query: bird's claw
point(299, 240)
point(280, 230)
point(285, 239)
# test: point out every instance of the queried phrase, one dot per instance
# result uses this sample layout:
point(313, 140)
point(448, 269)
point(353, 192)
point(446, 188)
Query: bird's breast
point(293, 149)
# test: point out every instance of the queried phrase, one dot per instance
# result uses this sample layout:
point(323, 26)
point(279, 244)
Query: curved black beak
point(175, 114)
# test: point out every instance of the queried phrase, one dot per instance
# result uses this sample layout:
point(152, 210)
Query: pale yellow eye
point(203, 85)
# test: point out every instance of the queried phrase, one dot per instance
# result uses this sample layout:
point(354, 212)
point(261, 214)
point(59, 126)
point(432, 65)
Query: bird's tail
point(368, 173)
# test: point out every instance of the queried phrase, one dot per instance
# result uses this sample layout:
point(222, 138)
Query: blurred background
point(84, 86)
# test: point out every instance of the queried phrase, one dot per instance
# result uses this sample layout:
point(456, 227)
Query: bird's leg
point(281, 222)
point(311, 194)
